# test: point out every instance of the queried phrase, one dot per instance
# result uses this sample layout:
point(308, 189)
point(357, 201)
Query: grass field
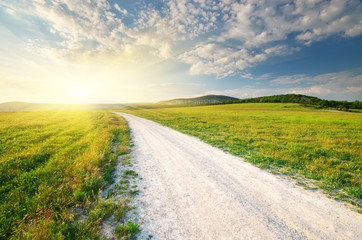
point(286, 138)
point(53, 163)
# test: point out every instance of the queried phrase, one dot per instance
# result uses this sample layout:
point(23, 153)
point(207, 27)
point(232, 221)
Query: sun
point(80, 92)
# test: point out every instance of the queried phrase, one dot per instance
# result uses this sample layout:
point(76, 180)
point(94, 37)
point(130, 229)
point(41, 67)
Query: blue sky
point(107, 51)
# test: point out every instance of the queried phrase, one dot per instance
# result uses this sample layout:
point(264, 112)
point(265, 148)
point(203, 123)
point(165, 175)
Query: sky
point(119, 51)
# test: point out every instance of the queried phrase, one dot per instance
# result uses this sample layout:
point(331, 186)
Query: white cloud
point(74, 27)
point(334, 86)
point(256, 24)
point(256, 29)
point(328, 18)
point(124, 11)
point(177, 21)
point(94, 26)
point(345, 77)
point(222, 61)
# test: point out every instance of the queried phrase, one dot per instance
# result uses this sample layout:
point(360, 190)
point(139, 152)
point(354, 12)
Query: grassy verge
point(122, 224)
point(287, 138)
point(52, 162)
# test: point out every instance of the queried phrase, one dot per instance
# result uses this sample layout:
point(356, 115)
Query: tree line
point(303, 100)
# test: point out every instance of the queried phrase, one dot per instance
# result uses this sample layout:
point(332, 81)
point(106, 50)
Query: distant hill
point(302, 99)
point(24, 106)
point(204, 100)
point(282, 98)
point(208, 99)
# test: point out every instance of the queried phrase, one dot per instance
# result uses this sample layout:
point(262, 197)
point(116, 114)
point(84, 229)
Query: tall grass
point(320, 145)
point(52, 162)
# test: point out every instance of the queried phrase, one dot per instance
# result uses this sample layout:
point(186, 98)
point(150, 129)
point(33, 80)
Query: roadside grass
point(322, 146)
point(53, 162)
point(127, 231)
point(125, 189)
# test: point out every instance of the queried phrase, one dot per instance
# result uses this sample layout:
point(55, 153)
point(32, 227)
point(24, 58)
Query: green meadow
point(53, 165)
point(314, 146)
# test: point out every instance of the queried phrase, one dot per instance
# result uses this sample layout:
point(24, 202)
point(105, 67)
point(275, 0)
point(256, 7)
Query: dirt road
point(191, 190)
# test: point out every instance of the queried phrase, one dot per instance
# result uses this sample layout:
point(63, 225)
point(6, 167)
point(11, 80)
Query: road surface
point(191, 190)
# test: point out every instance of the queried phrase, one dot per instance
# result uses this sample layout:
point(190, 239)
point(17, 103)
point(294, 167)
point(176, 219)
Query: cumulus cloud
point(75, 27)
point(191, 18)
point(189, 29)
point(267, 21)
point(222, 61)
point(66, 28)
point(177, 21)
point(255, 24)
point(124, 11)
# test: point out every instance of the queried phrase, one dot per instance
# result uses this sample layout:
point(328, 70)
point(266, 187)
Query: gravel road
point(191, 190)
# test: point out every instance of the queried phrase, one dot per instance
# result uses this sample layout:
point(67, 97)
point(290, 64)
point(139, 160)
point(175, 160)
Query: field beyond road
point(285, 138)
point(53, 162)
